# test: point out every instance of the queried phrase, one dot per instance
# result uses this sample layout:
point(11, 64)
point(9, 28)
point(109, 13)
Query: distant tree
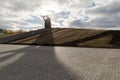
point(1, 32)
point(9, 32)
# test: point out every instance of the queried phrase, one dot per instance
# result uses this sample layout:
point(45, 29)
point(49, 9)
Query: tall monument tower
point(47, 22)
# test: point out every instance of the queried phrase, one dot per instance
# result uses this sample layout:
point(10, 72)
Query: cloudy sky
point(93, 14)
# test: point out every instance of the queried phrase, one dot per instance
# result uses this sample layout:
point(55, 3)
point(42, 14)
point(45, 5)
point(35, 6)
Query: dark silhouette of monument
point(47, 22)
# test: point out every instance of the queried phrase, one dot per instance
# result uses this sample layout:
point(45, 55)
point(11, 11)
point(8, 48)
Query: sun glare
point(49, 9)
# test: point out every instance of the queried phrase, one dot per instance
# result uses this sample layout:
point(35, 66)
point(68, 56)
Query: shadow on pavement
point(34, 63)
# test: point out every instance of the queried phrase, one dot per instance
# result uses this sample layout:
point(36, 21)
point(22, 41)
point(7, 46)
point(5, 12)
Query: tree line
point(10, 32)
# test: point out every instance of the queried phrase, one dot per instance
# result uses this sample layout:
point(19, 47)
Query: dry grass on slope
point(73, 37)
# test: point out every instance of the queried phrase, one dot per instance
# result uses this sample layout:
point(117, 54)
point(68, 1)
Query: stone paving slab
point(19, 62)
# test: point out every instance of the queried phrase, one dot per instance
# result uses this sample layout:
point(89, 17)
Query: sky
point(87, 14)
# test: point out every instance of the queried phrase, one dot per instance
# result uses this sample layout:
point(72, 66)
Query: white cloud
point(104, 16)
point(64, 13)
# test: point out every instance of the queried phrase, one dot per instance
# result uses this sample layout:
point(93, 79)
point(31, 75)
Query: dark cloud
point(76, 23)
point(112, 7)
point(106, 16)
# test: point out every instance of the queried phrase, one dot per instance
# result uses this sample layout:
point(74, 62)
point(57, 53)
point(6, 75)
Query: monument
point(47, 22)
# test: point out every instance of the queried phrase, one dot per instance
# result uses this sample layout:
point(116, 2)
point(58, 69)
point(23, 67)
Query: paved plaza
point(24, 62)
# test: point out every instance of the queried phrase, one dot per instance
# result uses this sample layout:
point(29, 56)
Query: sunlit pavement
point(23, 62)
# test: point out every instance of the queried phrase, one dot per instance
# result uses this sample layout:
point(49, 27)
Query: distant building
point(47, 22)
